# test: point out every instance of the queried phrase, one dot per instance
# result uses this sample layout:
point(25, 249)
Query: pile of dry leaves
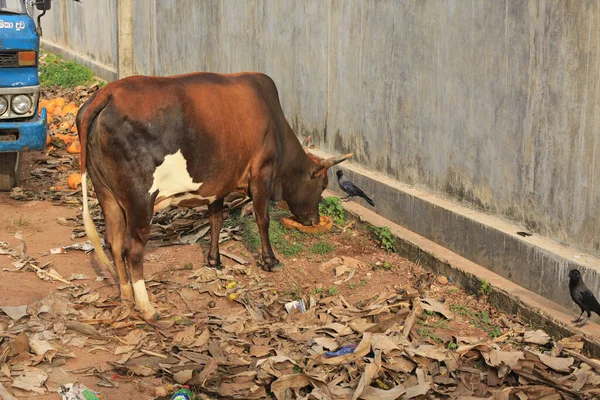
point(262, 349)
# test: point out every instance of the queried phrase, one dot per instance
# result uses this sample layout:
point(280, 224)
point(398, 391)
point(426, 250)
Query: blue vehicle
point(21, 129)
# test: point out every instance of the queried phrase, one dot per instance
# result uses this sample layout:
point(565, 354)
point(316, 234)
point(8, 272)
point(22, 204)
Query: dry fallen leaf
point(281, 387)
point(368, 374)
point(42, 348)
point(4, 394)
point(15, 313)
point(557, 363)
point(436, 306)
point(31, 380)
point(183, 377)
point(536, 337)
point(202, 339)
point(134, 337)
point(185, 337)
point(19, 346)
point(86, 329)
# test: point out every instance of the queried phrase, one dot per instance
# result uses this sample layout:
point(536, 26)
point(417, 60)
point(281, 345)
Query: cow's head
point(305, 195)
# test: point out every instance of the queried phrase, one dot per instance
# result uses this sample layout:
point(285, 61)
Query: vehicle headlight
point(3, 105)
point(20, 104)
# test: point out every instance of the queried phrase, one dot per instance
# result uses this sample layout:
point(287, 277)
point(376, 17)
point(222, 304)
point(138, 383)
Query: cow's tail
point(89, 113)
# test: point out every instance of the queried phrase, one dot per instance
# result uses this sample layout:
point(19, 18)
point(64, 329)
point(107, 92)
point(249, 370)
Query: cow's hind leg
point(215, 217)
point(261, 193)
point(114, 220)
point(138, 229)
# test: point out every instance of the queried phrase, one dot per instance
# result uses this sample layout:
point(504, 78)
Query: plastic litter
point(298, 304)
point(343, 350)
point(182, 394)
point(70, 391)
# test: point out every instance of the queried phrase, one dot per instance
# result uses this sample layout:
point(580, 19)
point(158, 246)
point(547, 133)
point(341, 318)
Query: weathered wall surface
point(88, 29)
point(494, 103)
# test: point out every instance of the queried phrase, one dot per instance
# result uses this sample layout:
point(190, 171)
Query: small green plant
point(460, 309)
point(452, 346)
point(22, 221)
point(54, 71)
point(332, 207)
point(333, 291)
point(494, 333)
point(383, 235)
point(363, 282)
point(296, 369)
point(483, 321)
point(183, 321)
point(322, 247)
point(386, 266)
point(277, 234)
point(295, 292)
point(485, 289)
point(423, 331)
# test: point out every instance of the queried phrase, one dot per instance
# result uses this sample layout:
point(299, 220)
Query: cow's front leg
point(260, 197)
point(215, 217)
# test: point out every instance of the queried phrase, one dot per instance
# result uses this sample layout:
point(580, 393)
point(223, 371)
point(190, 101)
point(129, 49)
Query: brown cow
point(189, 140)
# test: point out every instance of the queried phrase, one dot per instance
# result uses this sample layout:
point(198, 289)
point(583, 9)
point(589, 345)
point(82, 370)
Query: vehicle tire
point(10, 165)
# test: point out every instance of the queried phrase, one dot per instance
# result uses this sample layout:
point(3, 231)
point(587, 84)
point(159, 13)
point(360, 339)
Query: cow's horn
point(330, 162)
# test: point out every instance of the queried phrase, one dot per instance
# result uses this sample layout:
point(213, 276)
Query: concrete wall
point(494, 103)
point(87, 30)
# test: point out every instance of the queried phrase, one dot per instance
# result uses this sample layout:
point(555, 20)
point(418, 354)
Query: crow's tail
point(364, 196)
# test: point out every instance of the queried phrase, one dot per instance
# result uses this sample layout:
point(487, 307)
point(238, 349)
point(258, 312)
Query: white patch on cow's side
point(141, 295)
point(172, 177)
point(189, 196)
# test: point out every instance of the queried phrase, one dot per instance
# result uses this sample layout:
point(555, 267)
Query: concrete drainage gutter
point(506, 296)
point(534, 263)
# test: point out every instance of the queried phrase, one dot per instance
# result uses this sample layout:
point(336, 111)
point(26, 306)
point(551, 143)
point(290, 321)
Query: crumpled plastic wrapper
point(78, 392)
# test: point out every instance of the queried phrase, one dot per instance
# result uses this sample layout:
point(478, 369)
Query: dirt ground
point(37, 222)
point(228, 334)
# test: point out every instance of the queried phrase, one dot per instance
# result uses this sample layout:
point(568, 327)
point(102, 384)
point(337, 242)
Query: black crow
point(582, 296)
point(351, 188)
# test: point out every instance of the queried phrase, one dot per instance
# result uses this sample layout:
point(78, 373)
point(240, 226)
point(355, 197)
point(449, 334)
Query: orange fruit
point(59, 102)
point(74, 147)
point(74, 180)
point(48, 139)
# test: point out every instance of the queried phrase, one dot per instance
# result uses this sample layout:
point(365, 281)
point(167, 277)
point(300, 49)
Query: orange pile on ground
point(61, 123)
point(62, 131)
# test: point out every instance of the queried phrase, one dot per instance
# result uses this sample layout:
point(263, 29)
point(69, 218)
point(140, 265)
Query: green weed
point(363, 282)
point(322, 247)
point(482, 321)
point(278, 236)
point(486, 288)
point(423, 331)
point(332, 291)
point(460, 309)
point(295, 292)
point(383, 235)
point(332, 207)
point(386, 266)
point(54, 71)
point(22, 221)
